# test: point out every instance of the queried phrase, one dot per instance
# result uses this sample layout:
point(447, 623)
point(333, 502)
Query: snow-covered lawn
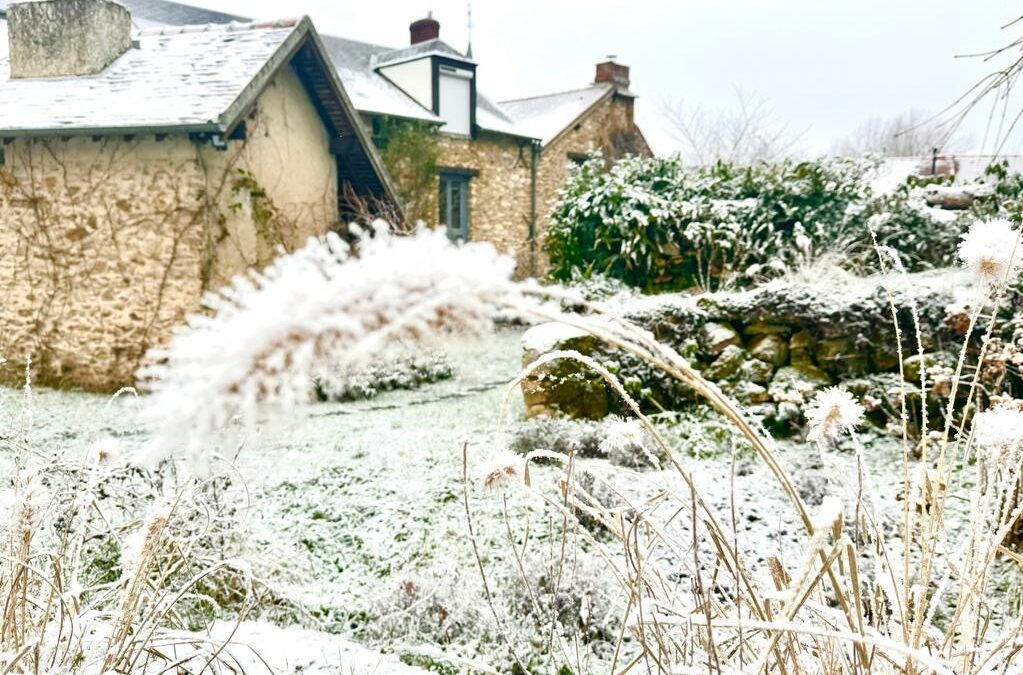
point(354, 512)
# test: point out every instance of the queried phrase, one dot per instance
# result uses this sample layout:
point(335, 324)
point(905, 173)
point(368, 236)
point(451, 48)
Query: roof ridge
point(595, 85)
point(233, 26)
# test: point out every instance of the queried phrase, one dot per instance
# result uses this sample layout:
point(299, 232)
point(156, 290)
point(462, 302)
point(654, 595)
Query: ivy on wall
point(409, 150)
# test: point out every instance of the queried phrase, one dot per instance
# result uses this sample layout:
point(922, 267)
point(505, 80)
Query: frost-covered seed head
point(27, 506)
point(998, 432)
point(105, 451)
point(832, 412)
point(504, 469)
point(626, 441)
point(988, 251)
point(310, 318)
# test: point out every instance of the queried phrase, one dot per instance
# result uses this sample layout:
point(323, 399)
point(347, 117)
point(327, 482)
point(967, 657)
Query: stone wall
point(107, 243)
point(771, 348)
point(499, 192)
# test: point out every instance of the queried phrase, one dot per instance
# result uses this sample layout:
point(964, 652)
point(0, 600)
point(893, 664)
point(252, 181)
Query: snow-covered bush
point(407, 371)
point(658, 225)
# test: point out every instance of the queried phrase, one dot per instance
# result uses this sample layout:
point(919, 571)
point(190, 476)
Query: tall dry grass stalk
point(869, 593)
point(872, 592)
point(87, 585)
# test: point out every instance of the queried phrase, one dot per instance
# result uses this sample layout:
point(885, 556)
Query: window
point(454, 205)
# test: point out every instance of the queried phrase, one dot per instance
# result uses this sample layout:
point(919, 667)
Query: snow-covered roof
point(194, 79)
point(434, 47)
point(370, 91)
point(545, 117)
point(356, 63)
point(187, 79)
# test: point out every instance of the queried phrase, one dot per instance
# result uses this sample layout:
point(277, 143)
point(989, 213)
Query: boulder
point(727, 363)
point(564, 386)
point(717, 336)
point(755, 370)
point(772, 348)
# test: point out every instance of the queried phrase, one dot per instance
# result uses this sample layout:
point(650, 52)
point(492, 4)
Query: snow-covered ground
point(354, 512)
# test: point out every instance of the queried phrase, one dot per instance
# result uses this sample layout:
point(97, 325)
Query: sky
point(825, 66)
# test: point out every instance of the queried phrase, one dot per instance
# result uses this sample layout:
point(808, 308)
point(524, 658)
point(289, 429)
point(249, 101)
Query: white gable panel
point(415, 78)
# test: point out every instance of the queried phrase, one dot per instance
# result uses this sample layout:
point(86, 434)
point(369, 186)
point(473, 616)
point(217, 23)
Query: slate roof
point(370, 91)
point(545, 117)
point(432, 47)
point(197, 80)
point(540, 117)
point(175, 80)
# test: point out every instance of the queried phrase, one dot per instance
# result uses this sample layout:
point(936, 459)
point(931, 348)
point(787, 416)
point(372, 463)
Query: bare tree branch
point(910, 133)
point(748, 133)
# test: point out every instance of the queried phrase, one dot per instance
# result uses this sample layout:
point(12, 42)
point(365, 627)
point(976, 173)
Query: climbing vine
point(409, 150)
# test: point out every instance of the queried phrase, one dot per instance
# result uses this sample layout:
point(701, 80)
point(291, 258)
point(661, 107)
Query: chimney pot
point(613, 73)
point(59, 38)
point(424, 29)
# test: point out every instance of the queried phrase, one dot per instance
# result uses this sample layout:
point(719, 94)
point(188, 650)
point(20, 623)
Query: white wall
point(455, 104)
point(415, 78)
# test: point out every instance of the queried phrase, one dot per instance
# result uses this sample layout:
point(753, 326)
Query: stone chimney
point(424, 29)
point(613, 73)
point(58, 38)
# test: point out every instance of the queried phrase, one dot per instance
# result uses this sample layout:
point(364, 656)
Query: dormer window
point(455, 98)
point(437, 76)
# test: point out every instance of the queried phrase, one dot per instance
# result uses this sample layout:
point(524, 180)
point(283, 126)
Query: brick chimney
point(613, 73)
point(424, 29)
point(57, 38)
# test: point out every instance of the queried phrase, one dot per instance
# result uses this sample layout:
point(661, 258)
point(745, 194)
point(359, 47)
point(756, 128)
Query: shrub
point(658, 225)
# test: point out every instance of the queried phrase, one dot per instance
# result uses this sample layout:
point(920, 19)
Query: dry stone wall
point(771, 348)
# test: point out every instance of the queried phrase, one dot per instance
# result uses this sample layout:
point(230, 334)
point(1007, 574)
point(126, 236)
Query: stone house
point(140, 168)
point(498, 165)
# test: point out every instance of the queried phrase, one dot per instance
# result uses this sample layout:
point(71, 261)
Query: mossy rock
point(801, 346)
point(771, 348)
point(717, 336)
point(840, 356)
point(913, 366)
point(727, 363)
point(766, 328)
point(750, 393)
point(564, 386)
point(755, 370)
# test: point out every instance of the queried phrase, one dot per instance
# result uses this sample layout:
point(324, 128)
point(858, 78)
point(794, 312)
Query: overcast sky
point(825, 65)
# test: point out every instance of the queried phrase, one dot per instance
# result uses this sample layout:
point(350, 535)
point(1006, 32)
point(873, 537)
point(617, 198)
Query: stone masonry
point(106, 243)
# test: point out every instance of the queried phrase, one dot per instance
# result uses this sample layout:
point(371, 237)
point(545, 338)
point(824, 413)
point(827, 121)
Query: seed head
point(831, 412)
point(988, 251)
point(505, 468)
